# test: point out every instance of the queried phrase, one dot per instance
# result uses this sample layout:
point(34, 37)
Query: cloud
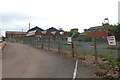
point(8, 18)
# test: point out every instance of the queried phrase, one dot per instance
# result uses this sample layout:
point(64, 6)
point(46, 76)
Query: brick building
point(15, 34)
point(34, 32)
point(101, 32)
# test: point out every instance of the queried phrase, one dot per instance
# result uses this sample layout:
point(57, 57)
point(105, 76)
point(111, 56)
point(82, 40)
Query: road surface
point(24, 61)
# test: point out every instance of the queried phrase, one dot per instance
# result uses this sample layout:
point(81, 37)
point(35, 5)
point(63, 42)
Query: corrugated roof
point(31, 33)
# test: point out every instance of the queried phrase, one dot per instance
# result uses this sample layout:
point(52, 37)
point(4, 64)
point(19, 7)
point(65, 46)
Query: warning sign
point(69, 40)
point(111, 41)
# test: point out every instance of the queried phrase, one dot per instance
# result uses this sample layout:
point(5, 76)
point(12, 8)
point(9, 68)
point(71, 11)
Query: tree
point(87, 38)
point(3, 38)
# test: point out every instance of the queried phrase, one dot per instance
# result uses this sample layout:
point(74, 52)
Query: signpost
point(111, 41)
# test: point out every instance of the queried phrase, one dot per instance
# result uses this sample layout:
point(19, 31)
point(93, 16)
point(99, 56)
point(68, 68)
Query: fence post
point(95, 49)
point(58, 44)
point(73, 45)
point(37, 41)
point(42, 46)
point(48, 42)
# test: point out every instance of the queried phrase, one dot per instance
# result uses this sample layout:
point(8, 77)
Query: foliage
point(71, 32)
point(111, 27)
point(113, 61)
point(87, 38)
point(113, 48)
point(3, 38)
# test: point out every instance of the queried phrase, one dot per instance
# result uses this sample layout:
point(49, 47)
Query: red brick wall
point(15, 35)
point(99, 33)
point(38, 33)
point(57, 34)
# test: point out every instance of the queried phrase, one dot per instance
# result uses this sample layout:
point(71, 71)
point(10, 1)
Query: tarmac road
point(24, 61)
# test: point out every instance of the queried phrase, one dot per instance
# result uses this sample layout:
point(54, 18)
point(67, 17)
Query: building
point(101, 32)
point(52, 32)
point(15, 34)
point(64, 34)
point(74, 29)
point(35, 32)
point(52, 29)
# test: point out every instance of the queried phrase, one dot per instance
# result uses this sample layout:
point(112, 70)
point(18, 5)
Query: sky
point(16, 15)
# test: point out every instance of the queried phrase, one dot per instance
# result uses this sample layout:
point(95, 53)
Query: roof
point(53, 32)
point(35, 28)
point(15, 32)
point(52, 29)
point(96, 27)
point(44, 32)
point(30, 33)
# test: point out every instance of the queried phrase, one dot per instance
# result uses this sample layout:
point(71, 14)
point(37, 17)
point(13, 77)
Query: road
point(25, 61)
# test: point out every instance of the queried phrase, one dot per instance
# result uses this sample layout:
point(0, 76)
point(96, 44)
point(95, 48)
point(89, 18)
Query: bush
point(87, 38)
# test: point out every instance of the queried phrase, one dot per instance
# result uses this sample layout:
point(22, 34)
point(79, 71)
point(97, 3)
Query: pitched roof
point(36, 28)
point(30, 33)
point(52, 29)
point(96, 27)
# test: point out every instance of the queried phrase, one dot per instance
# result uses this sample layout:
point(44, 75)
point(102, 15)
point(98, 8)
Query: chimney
point(29, 26)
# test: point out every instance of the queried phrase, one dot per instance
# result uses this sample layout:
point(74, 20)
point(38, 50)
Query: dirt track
point(24, 61)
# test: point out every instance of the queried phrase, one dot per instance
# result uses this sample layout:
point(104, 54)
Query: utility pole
point(22, 29)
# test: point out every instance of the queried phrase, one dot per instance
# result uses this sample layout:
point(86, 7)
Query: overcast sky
point(17, 14)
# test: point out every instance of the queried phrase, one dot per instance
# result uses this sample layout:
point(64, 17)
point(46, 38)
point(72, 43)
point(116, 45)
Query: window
point(99, 29)
point(89, 30)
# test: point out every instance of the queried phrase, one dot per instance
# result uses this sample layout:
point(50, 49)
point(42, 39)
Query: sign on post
point(111, 41)
point(69, 40)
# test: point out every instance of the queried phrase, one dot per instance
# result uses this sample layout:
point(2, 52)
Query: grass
point(113, 48)
point(113, 61)
point(11, 40)
point(64, 52)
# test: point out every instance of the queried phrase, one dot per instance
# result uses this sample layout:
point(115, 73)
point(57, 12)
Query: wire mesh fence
point(77, 48)
point(61, 45)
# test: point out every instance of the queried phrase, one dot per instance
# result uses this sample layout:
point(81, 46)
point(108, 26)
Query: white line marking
point(75, 70)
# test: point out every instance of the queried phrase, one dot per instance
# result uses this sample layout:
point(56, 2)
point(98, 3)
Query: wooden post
point(37, 41)
point(73, 45)
point(48, 42)
point(95, 49)
point(58, 44)
point(42, 46)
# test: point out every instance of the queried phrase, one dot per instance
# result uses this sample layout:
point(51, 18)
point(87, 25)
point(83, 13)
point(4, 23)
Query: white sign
point(69, 40)
point(111, 41)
